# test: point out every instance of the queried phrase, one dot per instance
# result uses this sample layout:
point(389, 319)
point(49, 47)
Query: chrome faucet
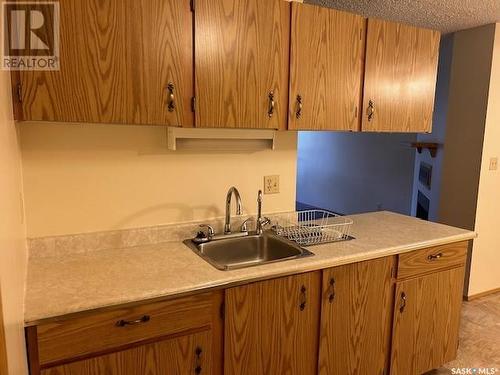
point(232, 190)
point(261, 221)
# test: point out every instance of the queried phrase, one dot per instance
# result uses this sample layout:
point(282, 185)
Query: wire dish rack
point(313, 227)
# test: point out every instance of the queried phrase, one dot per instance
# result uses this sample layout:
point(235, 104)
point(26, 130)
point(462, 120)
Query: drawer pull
point(435, 256)
point(171, 97)
point(123, 323)
point(198, 368)
point(402, 306)
point(371, 110)
point(298, 113)
point(272, 104)
point(303, 298)
point(331, 290)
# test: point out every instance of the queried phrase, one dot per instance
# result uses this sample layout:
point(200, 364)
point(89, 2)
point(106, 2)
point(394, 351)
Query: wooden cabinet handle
point(402, 306)
point(331, 290)
point(198, 367)
point(303, 298)
point(435, 256)
point(272, 104)
point(171, 97)
point(123, 323)
point(371, 110)
point(298, 114)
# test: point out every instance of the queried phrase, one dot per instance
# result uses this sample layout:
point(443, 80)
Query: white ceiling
point(444, 15)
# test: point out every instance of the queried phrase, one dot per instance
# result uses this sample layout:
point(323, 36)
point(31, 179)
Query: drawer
point(104, 331)
point(432, 259)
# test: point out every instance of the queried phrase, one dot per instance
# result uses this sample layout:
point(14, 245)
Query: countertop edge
point(292, 270)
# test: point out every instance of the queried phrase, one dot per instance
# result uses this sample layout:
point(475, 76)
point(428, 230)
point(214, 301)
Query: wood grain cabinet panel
point(400, 77)
point(271, 327)
point(178, 356)
point(100, 332)
point(426, 322)
point(117, 58)
point(432, 259)
point(241, 56)
point(356, 318)
point(326, 68)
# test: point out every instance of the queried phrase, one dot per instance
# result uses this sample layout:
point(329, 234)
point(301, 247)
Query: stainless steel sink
point(247, 251)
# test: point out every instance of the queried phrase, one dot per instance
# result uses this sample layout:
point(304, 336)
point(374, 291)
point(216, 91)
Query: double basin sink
point(246, 251)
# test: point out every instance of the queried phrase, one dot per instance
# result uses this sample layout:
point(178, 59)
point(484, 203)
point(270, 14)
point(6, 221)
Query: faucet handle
point(265, 221)
point(244, 225)
point(210, 230)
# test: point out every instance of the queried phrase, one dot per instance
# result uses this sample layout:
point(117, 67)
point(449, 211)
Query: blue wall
point(355, 172)
point(438, 132)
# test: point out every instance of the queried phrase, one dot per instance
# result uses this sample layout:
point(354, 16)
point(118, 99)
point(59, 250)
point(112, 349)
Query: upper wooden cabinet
point(121, 61)
point(242, 63)
point(271, 327)
point(356, 316)
point(400, 77)
point(326, 68)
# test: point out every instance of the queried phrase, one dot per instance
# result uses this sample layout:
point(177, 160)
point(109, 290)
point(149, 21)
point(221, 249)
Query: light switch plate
point(493, 164)
point(271, 184)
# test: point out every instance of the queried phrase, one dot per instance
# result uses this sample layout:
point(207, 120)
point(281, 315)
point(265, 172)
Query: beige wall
point(486, 251)
point(83, 178)
point(12, 233)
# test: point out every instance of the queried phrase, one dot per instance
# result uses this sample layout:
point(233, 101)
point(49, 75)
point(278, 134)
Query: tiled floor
point(479, 336)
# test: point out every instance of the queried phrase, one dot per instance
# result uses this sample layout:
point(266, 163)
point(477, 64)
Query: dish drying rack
point(313, 227)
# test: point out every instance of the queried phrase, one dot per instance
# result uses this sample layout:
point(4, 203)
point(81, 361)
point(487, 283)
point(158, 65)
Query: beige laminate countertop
point(74, 283)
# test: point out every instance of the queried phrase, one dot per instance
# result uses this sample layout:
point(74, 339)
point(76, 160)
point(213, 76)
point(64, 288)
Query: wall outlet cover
point(271, 184)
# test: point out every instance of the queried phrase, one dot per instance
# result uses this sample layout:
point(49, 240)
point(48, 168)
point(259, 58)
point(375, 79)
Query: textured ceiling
point(443, 15)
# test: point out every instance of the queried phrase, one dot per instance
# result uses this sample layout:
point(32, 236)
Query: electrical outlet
point(271, 184)
point(493, 164)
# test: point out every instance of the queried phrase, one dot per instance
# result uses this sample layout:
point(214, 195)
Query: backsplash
point(56, 246)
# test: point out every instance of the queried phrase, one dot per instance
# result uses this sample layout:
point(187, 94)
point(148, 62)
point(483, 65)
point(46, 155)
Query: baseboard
point(482, 294)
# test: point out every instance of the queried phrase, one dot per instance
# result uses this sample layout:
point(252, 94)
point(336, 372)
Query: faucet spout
point(232, 191)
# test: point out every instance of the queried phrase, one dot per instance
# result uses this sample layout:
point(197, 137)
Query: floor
point(479, 338)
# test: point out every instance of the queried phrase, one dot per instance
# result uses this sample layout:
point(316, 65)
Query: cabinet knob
point(171, 97)
point(272, 104)
point(298, 114)
point(402, 306)
point(371, 110)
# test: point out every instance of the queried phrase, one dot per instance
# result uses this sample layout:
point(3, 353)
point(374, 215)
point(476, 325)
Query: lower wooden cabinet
point(356, 317)
point(174, 337)
point(271, 327)
point(397, 315)
point(426, 322)
point(190, 354)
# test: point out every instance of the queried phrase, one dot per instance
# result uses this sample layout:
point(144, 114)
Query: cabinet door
point(271, 327)
point(241, 57)
point(356, 316)
point(400, 77)
point(117, 59)
point(426, 322)
point(179, 356)
point(326, 69)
